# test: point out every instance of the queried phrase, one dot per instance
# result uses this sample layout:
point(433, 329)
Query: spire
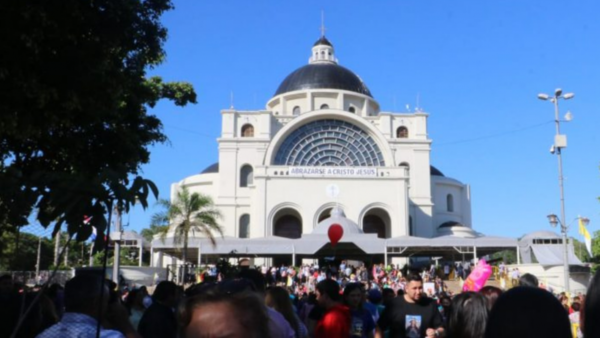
point(322, 51)
point(322, 24)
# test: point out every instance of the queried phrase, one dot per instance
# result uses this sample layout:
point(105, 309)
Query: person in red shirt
point(336, 319)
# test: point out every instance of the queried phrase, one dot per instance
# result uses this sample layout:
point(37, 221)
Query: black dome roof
point(213, 168)
point(323, 41)
point(323, 76)
point(433, 171)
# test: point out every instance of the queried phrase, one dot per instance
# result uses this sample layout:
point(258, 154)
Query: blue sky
point(477, 67)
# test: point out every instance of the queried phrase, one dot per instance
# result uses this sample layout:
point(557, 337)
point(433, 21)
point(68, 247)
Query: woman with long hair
point(135, 305)
point(279, 299)
point(362, 324)
point(469, 316)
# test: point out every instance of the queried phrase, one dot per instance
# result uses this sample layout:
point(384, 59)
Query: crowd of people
point(303, 279)
point(302, 302)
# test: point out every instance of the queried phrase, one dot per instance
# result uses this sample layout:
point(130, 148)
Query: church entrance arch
point(287, 223)
point(377, 221)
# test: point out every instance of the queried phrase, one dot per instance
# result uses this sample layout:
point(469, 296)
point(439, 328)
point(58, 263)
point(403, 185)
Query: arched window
point(296, 111)
point(325, 215)
point(246, 176)
point(450, 203)
point(352, 110)
point(373, 224)
point(288, 226)
point(402, 132)
point(329, 143)
point(244, 230)
point(377, 221)
point(248, 130)
point(324, 106)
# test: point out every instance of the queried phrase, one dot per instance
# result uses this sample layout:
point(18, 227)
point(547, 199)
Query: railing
point(181, 273)
point(30, 278)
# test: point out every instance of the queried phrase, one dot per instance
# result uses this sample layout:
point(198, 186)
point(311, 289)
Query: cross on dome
point(322, 24)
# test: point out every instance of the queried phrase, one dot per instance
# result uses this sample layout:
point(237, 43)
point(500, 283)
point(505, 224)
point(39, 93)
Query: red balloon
point(335, 233)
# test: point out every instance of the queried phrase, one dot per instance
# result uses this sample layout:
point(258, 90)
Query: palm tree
point(187, 213)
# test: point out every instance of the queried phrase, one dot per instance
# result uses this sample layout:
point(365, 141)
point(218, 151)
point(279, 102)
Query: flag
point(586, 236)
point(86, 221)
point(94, 233)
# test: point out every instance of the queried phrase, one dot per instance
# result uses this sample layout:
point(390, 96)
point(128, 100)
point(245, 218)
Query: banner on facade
point(333, 171)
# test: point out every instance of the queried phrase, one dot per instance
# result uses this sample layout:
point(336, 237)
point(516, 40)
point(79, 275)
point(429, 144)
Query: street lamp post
point(564, 229)
point(116, 238)
point(560, 141)
point(554, 221)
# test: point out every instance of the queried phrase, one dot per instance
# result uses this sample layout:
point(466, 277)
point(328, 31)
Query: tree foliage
point(188, 213)
point(507, 256)
point(580, 250)
point(74, 99)
point(128, 257)
point(21, 255)
point(154, 229)
point(596, 246)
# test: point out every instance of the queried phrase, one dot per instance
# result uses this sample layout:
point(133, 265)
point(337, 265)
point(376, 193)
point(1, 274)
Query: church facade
point(322, 141)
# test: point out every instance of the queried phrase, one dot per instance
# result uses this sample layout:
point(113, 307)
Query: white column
point(152, 256)
point(199, 256)
point(385, 254)
point(141, 253)
point(518, 255)
point(475, 260)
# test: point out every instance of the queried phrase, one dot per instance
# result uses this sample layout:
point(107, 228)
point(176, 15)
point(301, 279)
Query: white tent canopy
point(546, 247)
point(319, 245)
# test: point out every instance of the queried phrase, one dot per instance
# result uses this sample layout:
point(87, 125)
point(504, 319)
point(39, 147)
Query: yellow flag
point(586, 236)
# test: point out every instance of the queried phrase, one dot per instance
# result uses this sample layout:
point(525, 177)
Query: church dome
point(323, 76)
point(323, 41)
point(323, 72)
point(337, 217)
point(213, 168)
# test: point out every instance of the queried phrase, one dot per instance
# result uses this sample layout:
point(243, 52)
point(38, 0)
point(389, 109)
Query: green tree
point(154, 229)
point(596, 246)
point(74, 99)
point(507, 256)
point(24, 257)
point(128, 257)
point(188, 213)
point(580, 250)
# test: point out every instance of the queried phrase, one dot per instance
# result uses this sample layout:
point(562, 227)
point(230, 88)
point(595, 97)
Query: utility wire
point(485, 137)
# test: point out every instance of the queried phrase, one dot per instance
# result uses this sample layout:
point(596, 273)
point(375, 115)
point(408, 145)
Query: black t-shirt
point(410, 320)
point(316, 313)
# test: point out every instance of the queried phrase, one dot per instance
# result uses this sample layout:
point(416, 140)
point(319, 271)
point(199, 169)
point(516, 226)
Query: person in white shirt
point(84, 296)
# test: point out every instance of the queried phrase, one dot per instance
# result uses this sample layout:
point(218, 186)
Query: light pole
point(560, 141)
point(116, 238)
point(564, 229)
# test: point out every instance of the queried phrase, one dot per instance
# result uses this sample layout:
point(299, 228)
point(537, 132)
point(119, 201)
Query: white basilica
point(322, 142)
